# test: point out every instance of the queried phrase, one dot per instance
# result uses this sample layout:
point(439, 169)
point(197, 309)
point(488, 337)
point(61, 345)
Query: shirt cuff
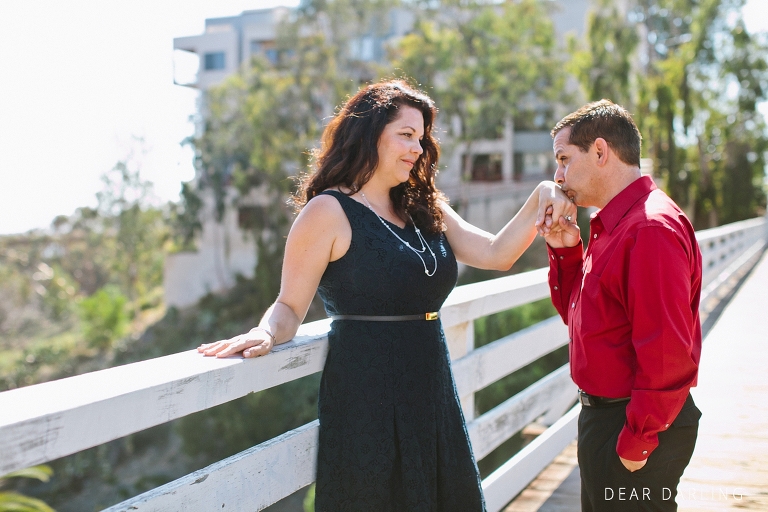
point(566, 257)
point(631, 448)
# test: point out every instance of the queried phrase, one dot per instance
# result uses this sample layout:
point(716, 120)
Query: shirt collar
point(620, 205)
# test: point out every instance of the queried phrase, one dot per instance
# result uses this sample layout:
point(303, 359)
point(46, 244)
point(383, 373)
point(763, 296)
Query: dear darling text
point(644, 493)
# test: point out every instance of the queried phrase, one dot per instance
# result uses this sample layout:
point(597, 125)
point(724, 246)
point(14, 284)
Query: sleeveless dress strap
point(353, 212)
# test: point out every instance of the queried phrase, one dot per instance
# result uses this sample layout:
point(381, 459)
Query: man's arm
point(664, 335)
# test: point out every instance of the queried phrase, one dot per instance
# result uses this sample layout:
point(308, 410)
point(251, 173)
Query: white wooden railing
point(43, 422)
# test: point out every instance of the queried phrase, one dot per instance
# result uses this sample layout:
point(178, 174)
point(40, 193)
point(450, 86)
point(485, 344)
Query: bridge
point(47, 421)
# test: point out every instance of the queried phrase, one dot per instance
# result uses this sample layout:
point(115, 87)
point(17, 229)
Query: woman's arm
point(478, 248)
point(320, 234)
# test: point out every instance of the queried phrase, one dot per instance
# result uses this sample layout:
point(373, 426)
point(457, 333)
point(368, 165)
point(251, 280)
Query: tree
point(137, 229)
point(485, 63)
point(694, 83)
point(490, 67)
point(604, 66)
point(262, 122)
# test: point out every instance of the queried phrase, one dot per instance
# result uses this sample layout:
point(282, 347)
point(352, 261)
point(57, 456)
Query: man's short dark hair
point(606, 120)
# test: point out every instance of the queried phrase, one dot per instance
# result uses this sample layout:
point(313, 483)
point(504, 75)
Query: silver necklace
point(424, 245)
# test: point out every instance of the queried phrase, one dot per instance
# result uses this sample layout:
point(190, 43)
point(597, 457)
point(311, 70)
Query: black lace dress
point(392, 434)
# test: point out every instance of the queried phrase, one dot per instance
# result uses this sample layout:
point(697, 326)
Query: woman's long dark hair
point(348, 154)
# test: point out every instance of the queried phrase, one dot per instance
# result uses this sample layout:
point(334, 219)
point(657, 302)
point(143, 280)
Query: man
point(631, 304)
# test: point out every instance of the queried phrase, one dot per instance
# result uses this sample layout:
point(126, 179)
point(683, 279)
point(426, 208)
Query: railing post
point(461, 341)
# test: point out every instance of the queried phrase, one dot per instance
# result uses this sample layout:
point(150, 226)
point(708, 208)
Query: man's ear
point(601, 150)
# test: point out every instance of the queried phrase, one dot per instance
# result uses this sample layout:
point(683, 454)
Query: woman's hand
point(315, 238)
point(478, 248)
point(553, 205)
point(256, 342)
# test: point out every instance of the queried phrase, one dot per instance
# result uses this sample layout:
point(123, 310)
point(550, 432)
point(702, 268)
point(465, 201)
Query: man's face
point(576, 173)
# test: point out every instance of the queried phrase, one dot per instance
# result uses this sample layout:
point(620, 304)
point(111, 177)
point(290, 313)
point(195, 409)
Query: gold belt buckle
point(431, 316)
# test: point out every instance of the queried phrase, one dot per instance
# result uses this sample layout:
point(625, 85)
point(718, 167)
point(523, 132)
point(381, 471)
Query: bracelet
point(274, 342)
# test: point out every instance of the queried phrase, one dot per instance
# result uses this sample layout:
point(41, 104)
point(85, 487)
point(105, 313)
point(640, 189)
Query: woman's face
point(400, 146)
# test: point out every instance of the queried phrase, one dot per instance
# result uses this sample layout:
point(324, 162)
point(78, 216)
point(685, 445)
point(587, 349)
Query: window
point(267, 49)
point(272, 55)
point(486, 167)
point(533, 166)
point(214, 61)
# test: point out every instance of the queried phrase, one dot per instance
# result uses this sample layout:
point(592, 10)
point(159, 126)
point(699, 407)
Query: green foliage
point(185, 219)
point(216, 433)
point(51, 323)
point(493, 327)
point(309, 499)
point(42, 473)
point(16, 502)
point(485, 63)
point(693, 84)
point(604, 66)
point(262, 121)
point(56, 289)
point(103, 316)
point(138, 230)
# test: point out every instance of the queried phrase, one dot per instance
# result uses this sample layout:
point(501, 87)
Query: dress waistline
point(395, 318)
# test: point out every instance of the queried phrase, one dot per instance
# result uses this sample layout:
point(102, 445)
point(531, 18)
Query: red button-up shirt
point(631, 303)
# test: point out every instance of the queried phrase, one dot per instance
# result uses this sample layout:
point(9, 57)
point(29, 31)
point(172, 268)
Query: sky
point(82, 81)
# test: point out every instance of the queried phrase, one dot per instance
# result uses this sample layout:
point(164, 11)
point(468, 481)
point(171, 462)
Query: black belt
point(396, 318)
point(588, 400)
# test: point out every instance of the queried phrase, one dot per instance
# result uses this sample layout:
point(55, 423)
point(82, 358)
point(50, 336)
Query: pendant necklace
point(424, 245)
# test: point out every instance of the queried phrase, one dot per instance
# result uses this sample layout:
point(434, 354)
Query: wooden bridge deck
point(729, 469)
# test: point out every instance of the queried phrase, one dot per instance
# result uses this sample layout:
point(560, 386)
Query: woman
point(379, 243)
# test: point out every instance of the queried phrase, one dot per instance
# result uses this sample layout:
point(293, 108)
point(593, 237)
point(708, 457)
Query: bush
point(104, 316)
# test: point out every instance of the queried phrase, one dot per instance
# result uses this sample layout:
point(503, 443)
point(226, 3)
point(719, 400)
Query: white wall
point(224, 251)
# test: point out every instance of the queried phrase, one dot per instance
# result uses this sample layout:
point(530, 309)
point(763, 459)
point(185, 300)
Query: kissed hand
point(254, 343)
point(633, 465)
point(553, 205)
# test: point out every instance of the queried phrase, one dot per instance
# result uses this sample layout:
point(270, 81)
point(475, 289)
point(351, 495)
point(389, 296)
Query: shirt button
point(594, 236)
point(666, 426)
point(555, 287)
point(561, 257)
point(645, 452)
point(573, 305)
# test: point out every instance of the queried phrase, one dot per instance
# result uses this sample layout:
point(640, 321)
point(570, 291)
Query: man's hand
point(633, 465)
point(563, 233)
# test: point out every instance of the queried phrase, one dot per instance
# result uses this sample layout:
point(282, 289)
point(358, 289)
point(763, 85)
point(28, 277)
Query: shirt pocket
point(593, 318)
point(591, 289)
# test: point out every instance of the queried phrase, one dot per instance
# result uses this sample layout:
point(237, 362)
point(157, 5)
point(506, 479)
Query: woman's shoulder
point(322, 208)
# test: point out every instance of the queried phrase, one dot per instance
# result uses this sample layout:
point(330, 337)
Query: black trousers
point(606, 485)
